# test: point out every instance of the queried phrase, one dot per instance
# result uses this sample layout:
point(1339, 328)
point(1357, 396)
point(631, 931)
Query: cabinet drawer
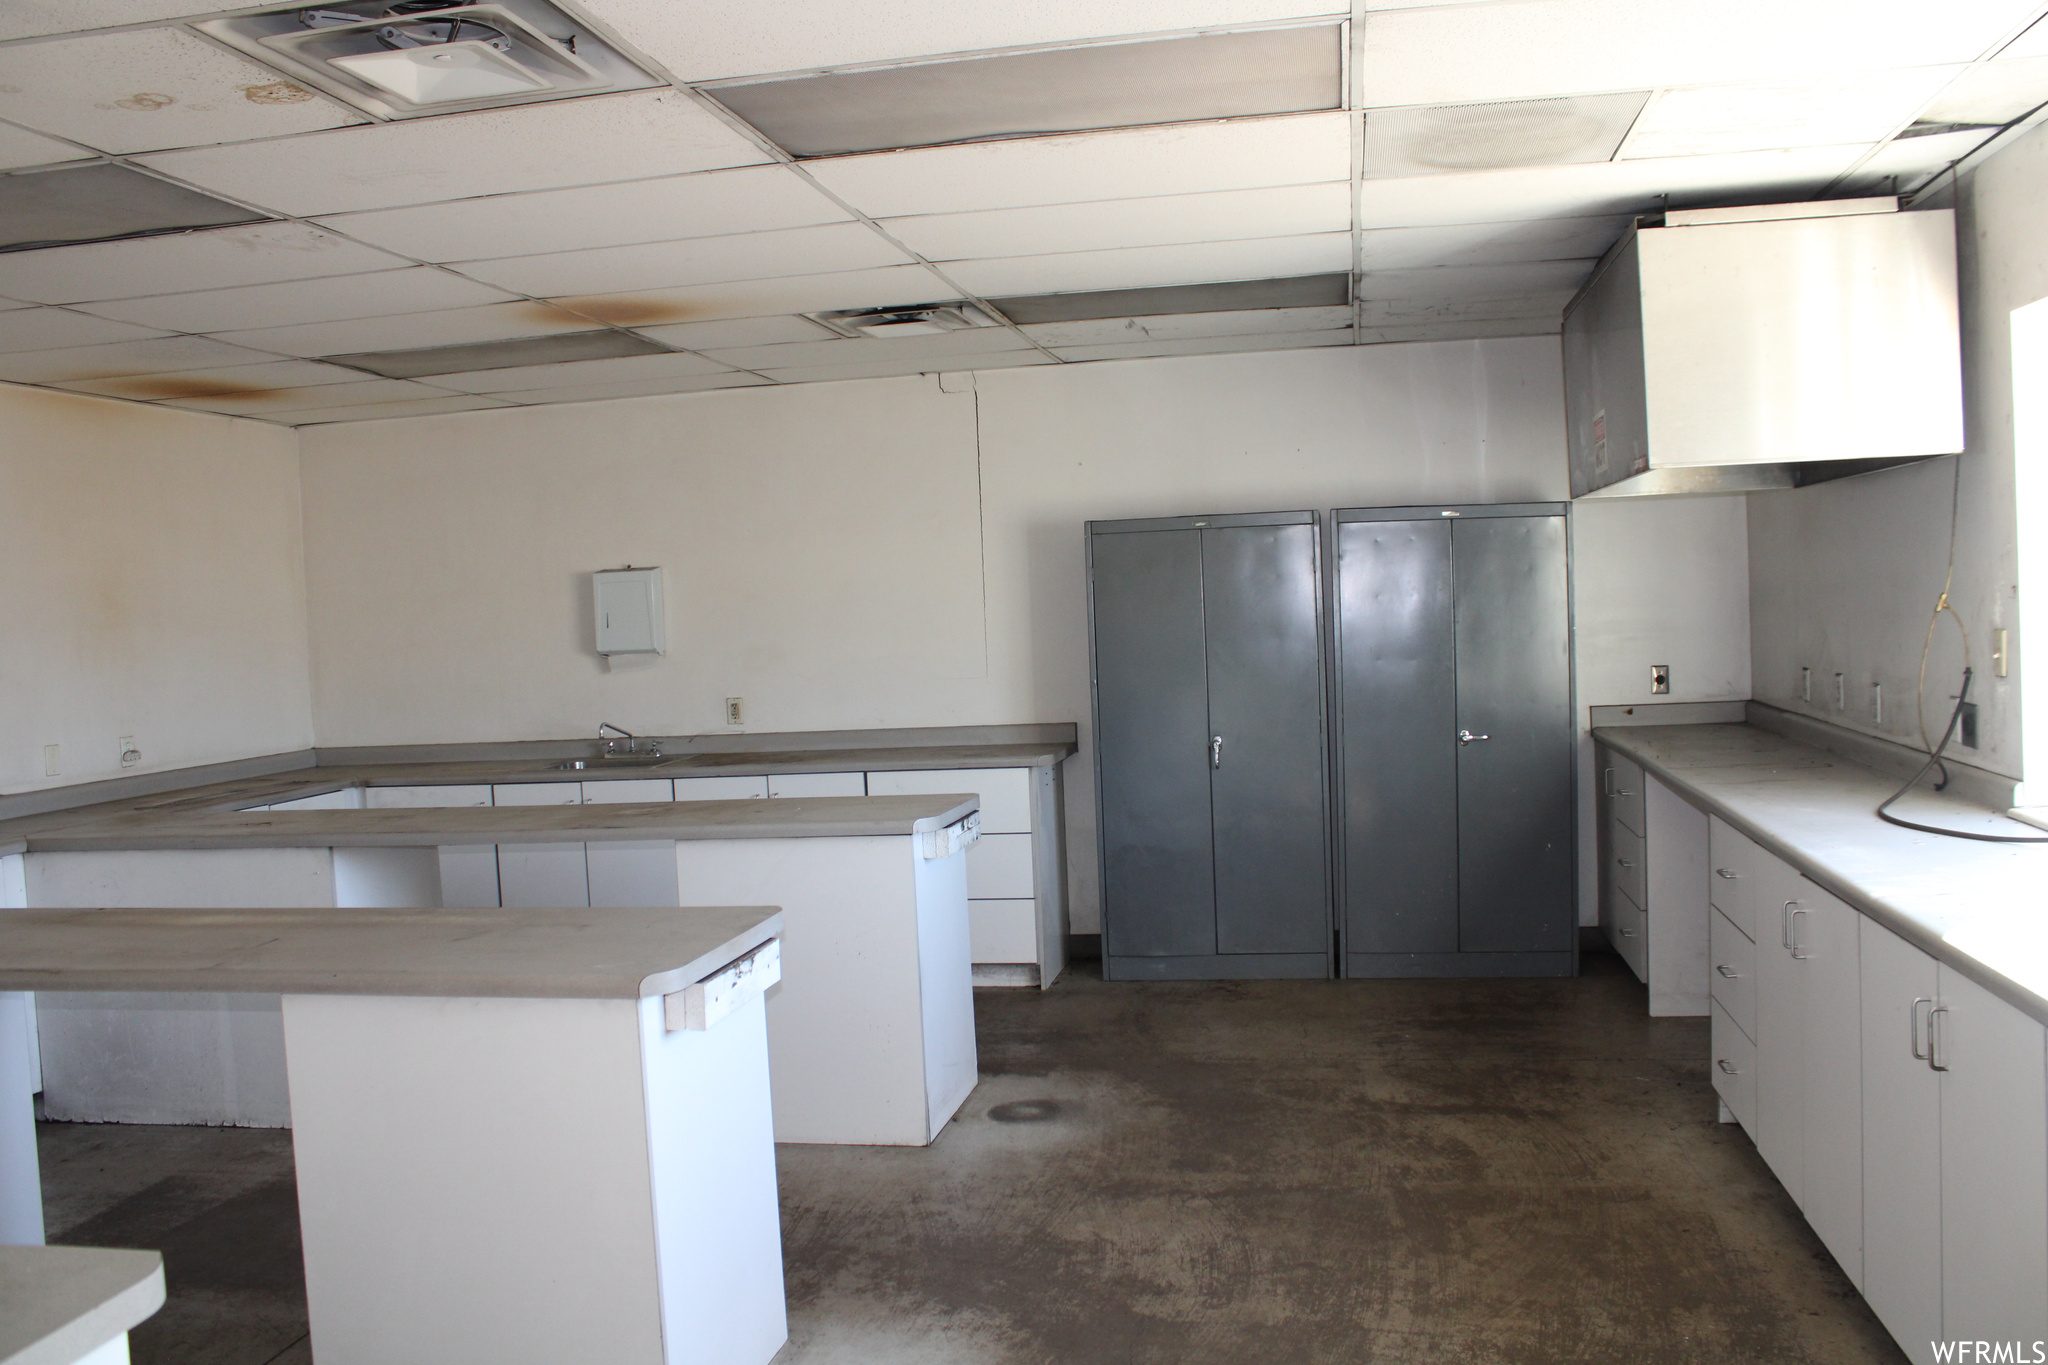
point(1625, 861)
point(817, 784)
point(721, 788)
point(1005, 792)
point(1732, 973)
point(999, 867)
point(626, 790)
point(397, 798)
point(537, 794)
point(1628, 930)
point(1741, 876)
point(1734, 1068)
point(1622, 782)
point(1003, 930)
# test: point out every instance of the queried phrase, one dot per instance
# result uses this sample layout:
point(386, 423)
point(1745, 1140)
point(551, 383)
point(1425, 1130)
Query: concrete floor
point(1279, 1172)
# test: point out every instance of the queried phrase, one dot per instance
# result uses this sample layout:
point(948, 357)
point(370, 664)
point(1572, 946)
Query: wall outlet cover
point(735, 711)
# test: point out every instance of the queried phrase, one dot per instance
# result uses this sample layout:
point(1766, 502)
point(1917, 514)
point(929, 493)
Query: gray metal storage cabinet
point(1455, 773)
point(1205, 638)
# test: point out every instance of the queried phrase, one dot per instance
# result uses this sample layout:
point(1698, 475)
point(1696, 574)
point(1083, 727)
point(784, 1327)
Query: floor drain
point(1025, 1111)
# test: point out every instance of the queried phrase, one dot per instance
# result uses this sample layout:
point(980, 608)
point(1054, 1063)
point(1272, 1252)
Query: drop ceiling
point(182, 224)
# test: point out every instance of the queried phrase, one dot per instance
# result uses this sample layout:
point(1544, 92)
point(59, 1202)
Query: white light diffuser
point(443, 73)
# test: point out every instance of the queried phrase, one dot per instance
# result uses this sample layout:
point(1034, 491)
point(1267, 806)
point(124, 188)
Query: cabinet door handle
point(1216, 751)
point(1920, 1053)
point(1626, 933)
point(1624, 862)
point(1793, 923)
point(1737, 976)
point(1467, 737)
point(1937, 1039)
point(1726, 1069)
point(1725, 872)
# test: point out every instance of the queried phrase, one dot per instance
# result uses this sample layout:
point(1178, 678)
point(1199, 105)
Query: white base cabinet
point(1653, 896)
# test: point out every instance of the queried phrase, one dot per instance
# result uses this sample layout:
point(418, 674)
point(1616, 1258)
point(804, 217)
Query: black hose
point(1884, 811)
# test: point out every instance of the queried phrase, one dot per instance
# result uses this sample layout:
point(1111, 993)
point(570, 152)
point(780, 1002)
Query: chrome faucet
point(611, 742)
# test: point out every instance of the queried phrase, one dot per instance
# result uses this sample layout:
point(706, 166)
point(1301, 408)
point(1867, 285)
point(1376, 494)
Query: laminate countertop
point(787, 818)
point(58, 1303)
point(1981, 908)
point(566, 954)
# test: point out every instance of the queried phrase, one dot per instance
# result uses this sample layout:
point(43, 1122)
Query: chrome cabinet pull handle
point(1785, 927)
point(1726, 1069)
point(1727, 872)
point(1937, 1039)
point(1626, 933)
point(1607, 781)
point(1624, 862)
point(1920, 1053)
point(1797, 911)
point(1737, 976)
point(1216, 751)
point(1467, 737)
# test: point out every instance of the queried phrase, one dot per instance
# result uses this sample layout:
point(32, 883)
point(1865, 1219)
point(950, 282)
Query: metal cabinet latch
point(1467, 737)
point(1216, 751)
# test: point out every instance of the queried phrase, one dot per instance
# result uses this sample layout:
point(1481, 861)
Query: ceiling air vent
point(408, 58)
point(917, 320)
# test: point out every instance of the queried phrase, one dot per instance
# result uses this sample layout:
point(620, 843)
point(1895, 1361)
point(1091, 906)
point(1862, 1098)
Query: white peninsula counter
point(522, 1136)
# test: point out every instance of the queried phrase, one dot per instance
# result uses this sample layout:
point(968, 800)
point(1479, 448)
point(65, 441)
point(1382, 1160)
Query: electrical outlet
point(1877, 702)
point(1806, 684)
point(735, 711)
point(130, 755)
point(53, 760)
point(1660, 679)
point(1968, 735)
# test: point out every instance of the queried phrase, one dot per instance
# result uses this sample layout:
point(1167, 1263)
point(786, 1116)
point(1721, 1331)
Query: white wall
point(1844, 575)
point(885, 553)
point(154, 588)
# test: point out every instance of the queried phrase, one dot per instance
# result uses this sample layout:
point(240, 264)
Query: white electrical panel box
point(630, 615)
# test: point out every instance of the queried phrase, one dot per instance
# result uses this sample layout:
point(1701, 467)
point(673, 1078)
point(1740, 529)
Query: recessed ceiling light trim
point(1294, 291)
point(467, 357)
point(1239, 73)
point(104, 202)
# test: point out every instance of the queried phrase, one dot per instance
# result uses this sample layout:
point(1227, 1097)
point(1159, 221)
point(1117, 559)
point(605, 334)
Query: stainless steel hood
point(1737, 350)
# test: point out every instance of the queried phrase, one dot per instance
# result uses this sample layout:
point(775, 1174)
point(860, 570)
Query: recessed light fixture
point(407, 58)
point(915, 320)
point(499, 355)
point(98, 203)
point(1437, 139)
point(1295, 291)
point(1060, 90)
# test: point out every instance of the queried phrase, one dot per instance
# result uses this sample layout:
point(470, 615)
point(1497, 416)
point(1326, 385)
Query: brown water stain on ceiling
point(629, 310)
point(153, 387)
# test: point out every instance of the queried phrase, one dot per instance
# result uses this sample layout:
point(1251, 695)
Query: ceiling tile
point(1189, 158)
point(1907, 162)
point(894, 285)
point(1185, 326)
point(581, 372)
point(458, 156)
point(1139, 350)
point(41, 329)
point(704, 336)
point(160, 356)
point(700, 260)
point(2032, 43)
point(714, 39)
point(1147, 266)
point(226, 381)
point(452, 327)
point(294, 301)
point(886, 369)
point(369, 412)
point(1225, 216)
point(144, 90)
point(1446, 138)
point(862, 350)
point(1568, 47)
point(639, 388)
point(213, 258)
point(19, 147)
point(1602, 188)
point(1994, 92)
point(261, 400)
point(35, 18)
point(1463, 283)
point(707, 204)
point(1824, 111)
point(1549, 239)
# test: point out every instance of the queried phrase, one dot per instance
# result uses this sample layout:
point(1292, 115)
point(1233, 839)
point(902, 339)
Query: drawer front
point(1622, 782)
point(1003, 930)
point(1740, 876)
point(1005, 792)
point(537, 794)
point(999, 868)
point(817, 784)
point(721, 788)
point(1625, 861)
point(626, 790)
point(1731, 973)
point(396, 798)
point(1628, 930)
point(1734, 1068)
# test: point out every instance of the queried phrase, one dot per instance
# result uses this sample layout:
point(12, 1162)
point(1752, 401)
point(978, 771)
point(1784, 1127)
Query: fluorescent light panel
point(1065, 90)
point(499, 355)
point(99, 203)
point(1302, 291)
point(1436, 139)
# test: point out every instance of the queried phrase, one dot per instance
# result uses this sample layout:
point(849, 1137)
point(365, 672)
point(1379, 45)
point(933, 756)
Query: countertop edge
point(1818, 872)
point(119, 1312)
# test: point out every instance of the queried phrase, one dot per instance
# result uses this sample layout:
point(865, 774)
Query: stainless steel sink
point(622, 761)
